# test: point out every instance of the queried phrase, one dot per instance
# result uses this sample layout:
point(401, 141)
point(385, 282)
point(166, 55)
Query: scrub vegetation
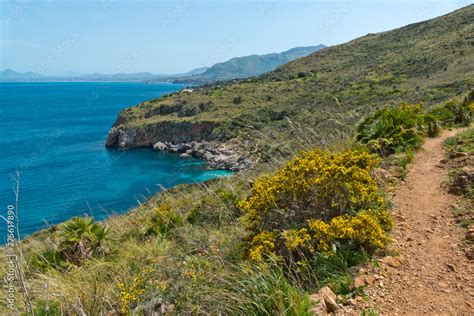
point(263, 240)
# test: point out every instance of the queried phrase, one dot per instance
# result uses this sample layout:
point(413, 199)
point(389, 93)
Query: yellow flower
point(295, 239)
point(316, 199)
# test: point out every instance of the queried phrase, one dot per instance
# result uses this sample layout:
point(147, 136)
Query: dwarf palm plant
point(389, 130)
point(99, 235)
point(81, 237)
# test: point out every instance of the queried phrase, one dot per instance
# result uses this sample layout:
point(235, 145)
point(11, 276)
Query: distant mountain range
point(244, 67)
point(235, 68)
point(11, 75)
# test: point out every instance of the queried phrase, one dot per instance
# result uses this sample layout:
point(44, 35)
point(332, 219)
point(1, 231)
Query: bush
point(46, 308)
point(129, 293)
point(82, 238)
point(395, 129)
point(47, 260)
point(165, 219)
point(317, 202)
point(237, 99)
point(453, 113)
point(432, 126)
point(214, 208)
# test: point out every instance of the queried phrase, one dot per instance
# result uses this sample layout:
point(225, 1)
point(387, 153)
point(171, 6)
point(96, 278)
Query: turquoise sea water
point(54, 135)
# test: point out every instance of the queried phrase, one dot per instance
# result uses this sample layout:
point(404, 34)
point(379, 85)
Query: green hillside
point(246, 66)
point(326, 92)
point(254, 65)
point(263, 240)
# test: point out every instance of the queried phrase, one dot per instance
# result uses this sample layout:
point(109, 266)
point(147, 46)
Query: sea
point(52, 137)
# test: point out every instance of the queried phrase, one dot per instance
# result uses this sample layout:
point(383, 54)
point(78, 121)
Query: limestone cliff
point(121, 136)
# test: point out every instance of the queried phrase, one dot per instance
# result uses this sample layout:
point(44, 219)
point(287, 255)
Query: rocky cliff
point(186, 138)
point(314, 100)
point(121, 136)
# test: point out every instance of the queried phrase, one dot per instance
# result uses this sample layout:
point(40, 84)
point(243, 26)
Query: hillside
point(302, 232)
point(325, 93)
point(245, 67)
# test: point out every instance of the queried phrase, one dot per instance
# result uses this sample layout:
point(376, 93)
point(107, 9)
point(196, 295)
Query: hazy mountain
point(11, 75)
point(197, 71)
point(238, 67)
point(247, 66)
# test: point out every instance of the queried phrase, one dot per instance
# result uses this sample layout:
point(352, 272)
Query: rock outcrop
point(189, 139)
point(227, 156)
point(167, 131)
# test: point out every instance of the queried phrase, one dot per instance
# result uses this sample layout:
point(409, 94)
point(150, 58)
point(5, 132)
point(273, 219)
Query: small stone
point(451, 268)
point(208, 156)
point(457, 155)
point(173, 148)
point(184, 155)
point(443, 285)
point(369, 279)
point(183, 147)
point(358, 282)
point(318, 306)
point(470, 233)
point(350, 302)
point(329, 299)
point(160, 146)
point(393, 262)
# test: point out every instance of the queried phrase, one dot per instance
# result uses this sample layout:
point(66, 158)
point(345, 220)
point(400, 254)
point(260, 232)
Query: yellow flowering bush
point(262, 243)
point(129, 293)
point(320, 199)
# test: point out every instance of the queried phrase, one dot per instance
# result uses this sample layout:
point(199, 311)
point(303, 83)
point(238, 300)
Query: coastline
point(66, 171)
point(188, 139)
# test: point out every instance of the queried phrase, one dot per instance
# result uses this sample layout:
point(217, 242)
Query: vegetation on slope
point(460, 160)
point(229, 245)
point(328, 92)
point(186, 249)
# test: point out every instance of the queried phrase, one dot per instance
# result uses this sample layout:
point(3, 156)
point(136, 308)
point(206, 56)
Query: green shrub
point(432, 125)
point(462, 142)
point(82, 238)
point(50, 259)
point(46, 308)
point(165, 220)
point(453, 113)
point(328, 270)
point(395, 129)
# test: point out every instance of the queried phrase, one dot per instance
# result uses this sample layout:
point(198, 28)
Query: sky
point(163, 37)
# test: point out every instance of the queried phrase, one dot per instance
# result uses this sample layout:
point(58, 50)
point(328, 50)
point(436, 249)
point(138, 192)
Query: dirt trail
point(436, 277)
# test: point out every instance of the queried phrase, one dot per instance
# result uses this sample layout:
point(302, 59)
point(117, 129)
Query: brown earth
point(435, 276)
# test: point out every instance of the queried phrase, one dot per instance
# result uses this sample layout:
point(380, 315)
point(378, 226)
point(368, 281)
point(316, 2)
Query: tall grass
point(264, 290)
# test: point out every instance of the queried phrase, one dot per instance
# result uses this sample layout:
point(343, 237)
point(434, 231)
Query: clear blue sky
point(110, 36)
